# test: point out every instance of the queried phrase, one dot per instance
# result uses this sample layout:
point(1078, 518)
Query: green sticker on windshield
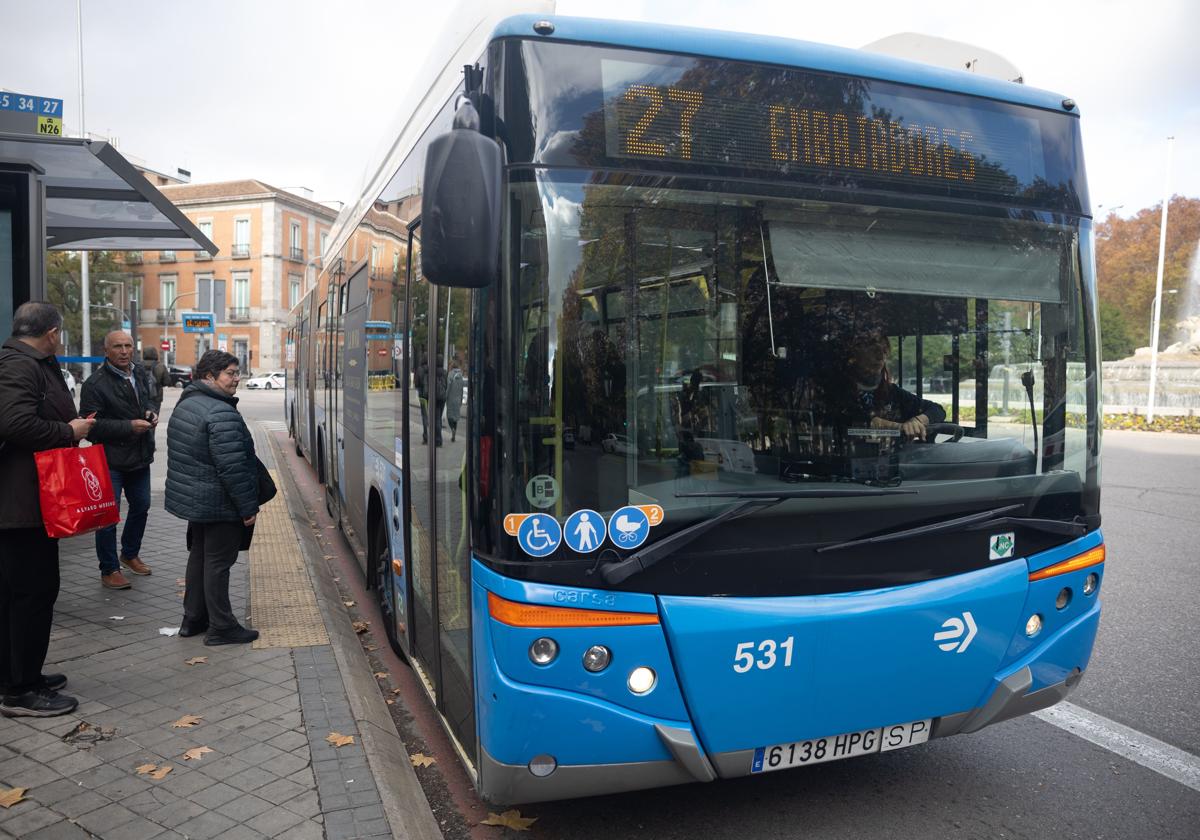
point(1002, 546)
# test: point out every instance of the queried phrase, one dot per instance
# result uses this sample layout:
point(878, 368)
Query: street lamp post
point(1158, 289)
point(170, 309)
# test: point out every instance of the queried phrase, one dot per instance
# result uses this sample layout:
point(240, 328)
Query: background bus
point(742, 565)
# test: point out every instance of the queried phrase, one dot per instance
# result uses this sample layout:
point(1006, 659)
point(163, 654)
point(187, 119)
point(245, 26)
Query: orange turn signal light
point(537, 615)
point(1091, 557)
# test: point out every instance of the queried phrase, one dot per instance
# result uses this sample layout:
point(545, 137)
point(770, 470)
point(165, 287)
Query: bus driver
point(887, 404)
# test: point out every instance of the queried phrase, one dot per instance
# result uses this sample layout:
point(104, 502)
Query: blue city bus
point(597, 409)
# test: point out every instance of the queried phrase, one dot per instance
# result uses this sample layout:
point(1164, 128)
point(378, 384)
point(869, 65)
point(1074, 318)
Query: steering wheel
point(953, 429)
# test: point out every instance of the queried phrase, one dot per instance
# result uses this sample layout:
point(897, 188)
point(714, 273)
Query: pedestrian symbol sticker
point(584, 531)
point(539, 534)
point(629, 527)
point(1002, 546)
point(542, 491)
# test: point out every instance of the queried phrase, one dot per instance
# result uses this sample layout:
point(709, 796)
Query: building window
point(241, 238)
point(374, 260)
point(293, 290)
point(206, 229)
point(166, 256)
point(324, 243)
point(166, 298)
point(241, 297)
point(297, 253)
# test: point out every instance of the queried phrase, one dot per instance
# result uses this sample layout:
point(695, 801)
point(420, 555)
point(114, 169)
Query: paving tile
point(102, 820)
point(245, 807)
point(307, 830)
point(29, 820)
point(206, 825)
point(80, 804)
point(274, 821)
point(59, 831)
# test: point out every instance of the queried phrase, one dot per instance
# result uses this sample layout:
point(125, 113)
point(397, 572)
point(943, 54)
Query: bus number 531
point(744, 657)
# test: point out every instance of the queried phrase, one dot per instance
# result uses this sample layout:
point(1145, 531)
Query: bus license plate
point(833, 747)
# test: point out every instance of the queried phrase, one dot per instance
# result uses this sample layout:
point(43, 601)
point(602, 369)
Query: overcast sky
point(299, 92)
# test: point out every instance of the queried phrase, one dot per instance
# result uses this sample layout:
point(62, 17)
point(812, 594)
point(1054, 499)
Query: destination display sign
point(22, 113)
point(753, 117)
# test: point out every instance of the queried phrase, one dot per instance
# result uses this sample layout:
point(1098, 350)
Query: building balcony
point(162, 316)
point(203, 255)
point(166, 256)
point(133, 258)
point(239, 314)
point(296, 254)
point(240, 251)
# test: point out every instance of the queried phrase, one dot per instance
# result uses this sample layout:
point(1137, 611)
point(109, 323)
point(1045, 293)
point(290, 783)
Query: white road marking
point(1151, 753)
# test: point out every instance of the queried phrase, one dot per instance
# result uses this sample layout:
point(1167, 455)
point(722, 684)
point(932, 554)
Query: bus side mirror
point(460, 206)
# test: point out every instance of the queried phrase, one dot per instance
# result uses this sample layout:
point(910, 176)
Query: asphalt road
point(1024, 778)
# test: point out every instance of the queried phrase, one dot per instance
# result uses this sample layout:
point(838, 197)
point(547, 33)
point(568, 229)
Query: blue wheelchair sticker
point(539, 535)
point(584, 531)
point(629, 527)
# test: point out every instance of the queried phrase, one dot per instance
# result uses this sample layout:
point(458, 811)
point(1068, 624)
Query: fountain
point(1125, 382)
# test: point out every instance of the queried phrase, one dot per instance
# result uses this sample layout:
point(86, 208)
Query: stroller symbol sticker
point(92, 483)
point(539, 534)
point(629, 527)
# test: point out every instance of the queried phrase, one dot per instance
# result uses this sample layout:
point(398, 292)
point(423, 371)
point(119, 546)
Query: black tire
point(382, 579)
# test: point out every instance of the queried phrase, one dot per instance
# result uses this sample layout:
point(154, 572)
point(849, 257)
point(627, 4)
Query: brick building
point(269, 245)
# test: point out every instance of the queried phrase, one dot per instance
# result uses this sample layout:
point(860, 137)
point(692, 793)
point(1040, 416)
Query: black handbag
point(266, 487)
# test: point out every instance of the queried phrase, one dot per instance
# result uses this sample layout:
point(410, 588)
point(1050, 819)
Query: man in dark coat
point(38, 413)
point(212, 482)
point(126, 402)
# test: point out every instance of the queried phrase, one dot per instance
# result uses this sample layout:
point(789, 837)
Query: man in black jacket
point(125, 400)
point(38, 413)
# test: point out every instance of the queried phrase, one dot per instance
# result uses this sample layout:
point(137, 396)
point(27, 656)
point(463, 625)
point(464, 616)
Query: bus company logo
point(951, 635)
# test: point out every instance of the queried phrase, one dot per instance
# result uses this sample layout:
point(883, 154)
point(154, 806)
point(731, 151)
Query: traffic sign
point(628, 527)
point(539, 535)
point(166, 346)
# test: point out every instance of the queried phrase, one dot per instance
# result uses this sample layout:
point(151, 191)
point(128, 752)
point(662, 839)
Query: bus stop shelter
point(71, 194)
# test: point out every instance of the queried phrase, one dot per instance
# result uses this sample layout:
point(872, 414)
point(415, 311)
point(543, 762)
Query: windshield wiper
point(984, 518)
point(641, 560)
point(988, 519)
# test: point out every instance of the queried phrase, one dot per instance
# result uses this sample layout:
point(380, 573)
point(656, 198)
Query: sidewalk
point(266, 711)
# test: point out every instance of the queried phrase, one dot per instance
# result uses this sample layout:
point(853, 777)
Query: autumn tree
point(1127, 266)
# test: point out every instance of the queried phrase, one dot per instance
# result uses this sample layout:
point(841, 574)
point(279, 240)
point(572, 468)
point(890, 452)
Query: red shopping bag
point(75, 490)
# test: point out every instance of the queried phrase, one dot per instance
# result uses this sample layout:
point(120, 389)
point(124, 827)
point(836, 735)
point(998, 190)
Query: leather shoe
point(135, 565)
point(236, 635)
point(41, 702)
point(54, 682)
point(115, 580)
point(187, 628)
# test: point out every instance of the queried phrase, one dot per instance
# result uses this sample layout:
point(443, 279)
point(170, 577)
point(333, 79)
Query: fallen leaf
point(348, 603)
point(361, 627)
point(382, 675)
point(422, 760)
point(196, 660)
point(510, 819)
point(395, 691)
point(187, 722)
point(11, 796)
point(146, 768)
point(338, 739)
point(391, 702)
point(369, 648)
point(196, 753)
point(161, 773)
point(329, 557)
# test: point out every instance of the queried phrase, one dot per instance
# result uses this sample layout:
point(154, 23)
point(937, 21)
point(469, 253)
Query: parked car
point(181, 375)
point(69, 378)
point(568, 438)
point(268, 381)
point(615, 444)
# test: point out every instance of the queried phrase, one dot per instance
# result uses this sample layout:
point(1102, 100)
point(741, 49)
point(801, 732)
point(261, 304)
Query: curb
point(404, 803)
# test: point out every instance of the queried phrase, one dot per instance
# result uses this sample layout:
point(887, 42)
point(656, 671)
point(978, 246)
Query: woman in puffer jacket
point(212, 482)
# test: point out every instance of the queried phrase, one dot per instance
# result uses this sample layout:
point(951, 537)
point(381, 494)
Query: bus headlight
point(642, 679)
point(596, 658)
point(1033, 626)
point(543, 651)
point(1090, 583)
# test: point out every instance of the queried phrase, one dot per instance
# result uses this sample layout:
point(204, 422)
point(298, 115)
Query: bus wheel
point(383, 580)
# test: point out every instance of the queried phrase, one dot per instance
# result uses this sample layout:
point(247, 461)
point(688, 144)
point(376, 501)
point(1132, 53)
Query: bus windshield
point(676, 346)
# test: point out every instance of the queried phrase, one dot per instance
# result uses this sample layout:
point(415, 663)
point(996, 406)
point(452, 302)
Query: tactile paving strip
point(283, 606)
